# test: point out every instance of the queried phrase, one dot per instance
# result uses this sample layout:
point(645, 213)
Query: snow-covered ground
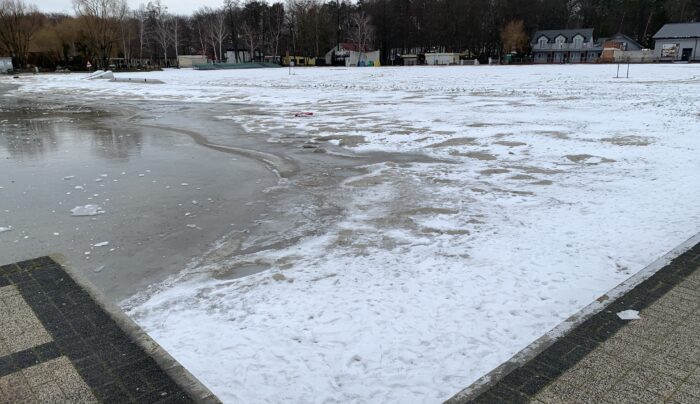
point(556, 184)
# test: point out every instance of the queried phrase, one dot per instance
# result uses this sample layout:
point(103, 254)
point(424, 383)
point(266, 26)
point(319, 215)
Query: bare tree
point(275, 26)
point(200, 26)
point(219, 30)
point(175, 36)
point(252, 38)
point(141, 16)
point(18, 24)
point(101, 20)
point(514, 38)
point(161, 23)
point(361, 31)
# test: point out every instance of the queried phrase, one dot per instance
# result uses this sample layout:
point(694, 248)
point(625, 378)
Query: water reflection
point(29, 132)
point(32, 139)
point(116, 144)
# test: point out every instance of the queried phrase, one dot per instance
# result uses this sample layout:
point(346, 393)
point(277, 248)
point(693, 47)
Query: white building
point(440, 58)
point(5, 65)
point(678, 42)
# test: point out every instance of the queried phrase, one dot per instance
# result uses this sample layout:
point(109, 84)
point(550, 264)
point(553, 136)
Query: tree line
point(109, 32)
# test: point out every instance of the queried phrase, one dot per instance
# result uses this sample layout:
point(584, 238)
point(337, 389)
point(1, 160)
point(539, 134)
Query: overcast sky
point(174, 6)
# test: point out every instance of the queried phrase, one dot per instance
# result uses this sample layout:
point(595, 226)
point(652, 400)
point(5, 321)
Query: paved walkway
point(58, 346)
point(655, 359)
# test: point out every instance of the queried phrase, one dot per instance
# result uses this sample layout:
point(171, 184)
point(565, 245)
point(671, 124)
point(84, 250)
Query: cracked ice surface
point(558, 183)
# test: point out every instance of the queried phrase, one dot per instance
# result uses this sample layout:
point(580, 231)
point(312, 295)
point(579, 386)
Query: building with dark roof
point(678, 42)
point(565, 46)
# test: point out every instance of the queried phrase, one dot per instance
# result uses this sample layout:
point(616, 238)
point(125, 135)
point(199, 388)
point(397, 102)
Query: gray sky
point(174, 6)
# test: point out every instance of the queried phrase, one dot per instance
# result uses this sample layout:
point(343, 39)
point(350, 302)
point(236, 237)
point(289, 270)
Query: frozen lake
point(488, 204)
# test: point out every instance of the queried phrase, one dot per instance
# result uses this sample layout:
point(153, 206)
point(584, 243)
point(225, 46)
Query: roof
point(632, 45)
point(686, 30)
point(569, 34)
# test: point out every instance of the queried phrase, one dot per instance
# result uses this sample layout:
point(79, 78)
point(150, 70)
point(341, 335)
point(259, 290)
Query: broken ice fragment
point(4, 229)
point(69, 177)
point(629, 315)
point(87, 210)
point(102, 244)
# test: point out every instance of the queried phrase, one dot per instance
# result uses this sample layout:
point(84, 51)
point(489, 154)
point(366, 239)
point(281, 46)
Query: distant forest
point(106, 30)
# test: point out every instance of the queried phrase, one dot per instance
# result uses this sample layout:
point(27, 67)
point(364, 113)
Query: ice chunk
point(102, 244)
point(629, 315)
point(79, 187)
point(69, 177)
point(87, 210)
point(4, 229)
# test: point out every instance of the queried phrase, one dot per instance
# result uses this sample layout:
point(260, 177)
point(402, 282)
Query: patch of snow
point(87, 210)
point(629, 315)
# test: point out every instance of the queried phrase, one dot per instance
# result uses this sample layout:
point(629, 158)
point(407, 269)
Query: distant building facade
point(6, 65)
point(565, 46)
point(441, 58)
point(186, 61)
point(678, 42)
point(348, 54)
point(620, 48)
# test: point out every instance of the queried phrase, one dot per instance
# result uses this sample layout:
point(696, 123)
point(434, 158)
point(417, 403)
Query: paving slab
point(605, 359)
point(60, 342)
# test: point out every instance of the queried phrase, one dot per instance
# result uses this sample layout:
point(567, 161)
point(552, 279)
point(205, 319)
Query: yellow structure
point(299, 61)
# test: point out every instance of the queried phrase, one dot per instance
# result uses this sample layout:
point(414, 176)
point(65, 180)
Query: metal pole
point(628, 69)
point(618, 71)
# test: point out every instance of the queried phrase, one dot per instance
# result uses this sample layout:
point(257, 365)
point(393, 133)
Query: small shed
point(440, 58)
point(6, 65)
point(678, 42)
point(191, 60)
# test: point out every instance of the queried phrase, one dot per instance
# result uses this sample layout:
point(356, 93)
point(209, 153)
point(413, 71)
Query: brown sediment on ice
point(475, 155)
point(510, 143)
point(554, 133)
point(522, 177)
point(492, 171)
point(429, 211)
point(536, 170)
point(582, 158)
point(542, 182)
point(459, 141)
point(451, 232)
point(345, 140)
point(369, 181)
point(628, 140)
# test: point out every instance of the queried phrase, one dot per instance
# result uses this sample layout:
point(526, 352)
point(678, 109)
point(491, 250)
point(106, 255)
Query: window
point(578, 41)
point(543, 41)
point(560, 40)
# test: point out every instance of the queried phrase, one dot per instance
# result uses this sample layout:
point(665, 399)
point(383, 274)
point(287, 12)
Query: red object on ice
point(302, 114)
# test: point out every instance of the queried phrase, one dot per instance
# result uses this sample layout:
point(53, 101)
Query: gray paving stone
point(631, 394)
point(15, 389)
